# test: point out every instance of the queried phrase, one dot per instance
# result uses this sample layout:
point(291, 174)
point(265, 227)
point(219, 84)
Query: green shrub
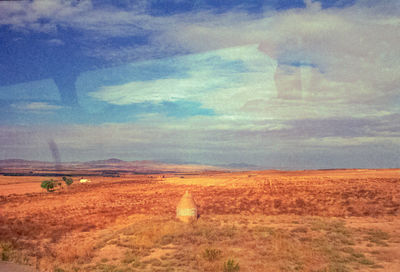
point(231, 266)
point(68, 181)
point(49, 185)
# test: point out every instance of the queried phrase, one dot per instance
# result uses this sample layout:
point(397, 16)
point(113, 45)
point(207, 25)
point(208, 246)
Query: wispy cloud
point(350, 62)
point(40, 15)
point(36, 106)
point(204, 77)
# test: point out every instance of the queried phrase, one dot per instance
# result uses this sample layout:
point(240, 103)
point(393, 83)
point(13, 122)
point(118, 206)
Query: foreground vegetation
point(220, 243)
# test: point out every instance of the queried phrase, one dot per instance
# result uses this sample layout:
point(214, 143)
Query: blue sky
point(279, 84)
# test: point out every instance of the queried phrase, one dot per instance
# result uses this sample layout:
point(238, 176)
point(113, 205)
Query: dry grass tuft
point(69, 251)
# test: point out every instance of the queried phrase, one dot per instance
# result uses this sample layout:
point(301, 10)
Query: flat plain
point(325, 220)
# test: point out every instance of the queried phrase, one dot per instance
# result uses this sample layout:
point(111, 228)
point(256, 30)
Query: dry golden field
point(341, 220)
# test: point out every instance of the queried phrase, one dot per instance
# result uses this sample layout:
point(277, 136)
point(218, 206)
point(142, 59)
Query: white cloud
point(36, 106)
point(222, 80)
point(354, 49)
point(26, 15)
point(261, 91)
point(155, 91)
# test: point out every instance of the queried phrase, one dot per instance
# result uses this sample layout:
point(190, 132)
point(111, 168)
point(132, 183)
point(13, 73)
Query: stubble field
point(342, 220)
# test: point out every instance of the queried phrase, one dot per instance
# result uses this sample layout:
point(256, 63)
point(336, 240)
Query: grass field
point(343, 220)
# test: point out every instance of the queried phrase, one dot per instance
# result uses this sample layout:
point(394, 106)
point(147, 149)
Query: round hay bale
point(186, 211)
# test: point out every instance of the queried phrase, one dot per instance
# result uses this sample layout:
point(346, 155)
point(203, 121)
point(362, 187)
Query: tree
point(68, 181)
point(49, 185)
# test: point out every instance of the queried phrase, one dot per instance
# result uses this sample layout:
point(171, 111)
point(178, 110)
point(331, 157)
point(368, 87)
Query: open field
point(343, 220)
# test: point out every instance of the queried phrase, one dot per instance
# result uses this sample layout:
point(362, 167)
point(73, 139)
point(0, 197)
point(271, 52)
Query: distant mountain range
point(242, 166)
point(113, 164)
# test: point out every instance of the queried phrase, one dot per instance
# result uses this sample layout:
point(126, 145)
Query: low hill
point(113, 164)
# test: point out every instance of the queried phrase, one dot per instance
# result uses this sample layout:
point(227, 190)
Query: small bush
point(366, 261)
point(68, 181)
point(231, 266)
point(49, 185)
point(378, 237)
point(211, 254)
point(6, 251)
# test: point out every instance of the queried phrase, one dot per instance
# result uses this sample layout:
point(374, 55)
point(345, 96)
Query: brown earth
point(11, 267)
point(44, 229)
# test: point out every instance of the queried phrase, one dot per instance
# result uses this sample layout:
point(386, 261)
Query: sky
point(277, 84)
